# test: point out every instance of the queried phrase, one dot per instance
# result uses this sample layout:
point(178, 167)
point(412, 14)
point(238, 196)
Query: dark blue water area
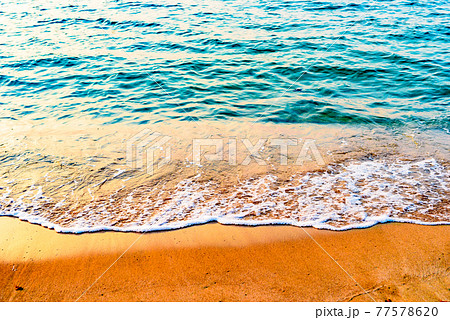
point(328, 62)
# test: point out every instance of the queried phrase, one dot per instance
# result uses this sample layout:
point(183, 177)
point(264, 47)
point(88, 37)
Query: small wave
point(344, 196)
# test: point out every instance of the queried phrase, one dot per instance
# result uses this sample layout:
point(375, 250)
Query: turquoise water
point(369, 81)
point(358, 62)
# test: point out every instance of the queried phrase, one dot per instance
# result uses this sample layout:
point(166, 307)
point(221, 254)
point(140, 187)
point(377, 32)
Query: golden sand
point(401, 262)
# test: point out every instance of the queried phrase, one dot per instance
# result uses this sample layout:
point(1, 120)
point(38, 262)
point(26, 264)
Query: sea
point(157, 115)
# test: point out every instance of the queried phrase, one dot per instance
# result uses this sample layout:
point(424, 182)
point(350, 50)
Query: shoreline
point(213, 262)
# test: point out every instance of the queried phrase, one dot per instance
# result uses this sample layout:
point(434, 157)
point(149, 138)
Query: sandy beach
point(400, 262)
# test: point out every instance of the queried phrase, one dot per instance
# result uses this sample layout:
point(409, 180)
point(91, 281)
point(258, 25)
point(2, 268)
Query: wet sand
point(400, 262)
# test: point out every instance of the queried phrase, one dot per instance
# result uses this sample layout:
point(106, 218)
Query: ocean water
point(155, 115)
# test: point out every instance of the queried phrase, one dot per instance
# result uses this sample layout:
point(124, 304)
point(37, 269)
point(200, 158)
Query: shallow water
point(367, 81)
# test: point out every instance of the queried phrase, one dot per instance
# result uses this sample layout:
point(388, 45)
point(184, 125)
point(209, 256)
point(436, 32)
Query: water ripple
point(372, 62)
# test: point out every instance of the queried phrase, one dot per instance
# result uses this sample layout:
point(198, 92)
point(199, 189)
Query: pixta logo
point(144, 147)
point(141, 149)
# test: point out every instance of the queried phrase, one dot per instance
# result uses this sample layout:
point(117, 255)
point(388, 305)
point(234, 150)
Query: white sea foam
point(359, 194)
